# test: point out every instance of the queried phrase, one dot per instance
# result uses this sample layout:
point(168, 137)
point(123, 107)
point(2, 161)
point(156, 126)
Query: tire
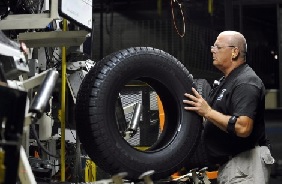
point(97, 125)
point(203, 87)
point(199, 158)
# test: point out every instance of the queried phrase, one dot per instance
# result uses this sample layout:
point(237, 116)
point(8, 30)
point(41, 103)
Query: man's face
point(222, 52)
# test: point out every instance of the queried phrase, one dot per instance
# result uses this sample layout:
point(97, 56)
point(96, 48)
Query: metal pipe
point(101, 31)
point(92, 34)
point(63, 107)
point(42, 97)
point(134, 123)
point(279, 29)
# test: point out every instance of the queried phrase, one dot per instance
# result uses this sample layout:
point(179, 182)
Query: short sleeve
point(245, 100)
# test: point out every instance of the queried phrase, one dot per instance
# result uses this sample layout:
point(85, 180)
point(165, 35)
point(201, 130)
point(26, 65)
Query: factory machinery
point(115, 107)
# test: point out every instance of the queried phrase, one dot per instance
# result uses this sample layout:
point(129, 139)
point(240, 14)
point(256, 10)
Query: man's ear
point(235, 53)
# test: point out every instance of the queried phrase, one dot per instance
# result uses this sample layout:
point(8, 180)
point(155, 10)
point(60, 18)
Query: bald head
point(236, 39)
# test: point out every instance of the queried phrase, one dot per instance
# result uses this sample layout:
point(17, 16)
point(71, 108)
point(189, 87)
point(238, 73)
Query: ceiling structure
point(258, 19)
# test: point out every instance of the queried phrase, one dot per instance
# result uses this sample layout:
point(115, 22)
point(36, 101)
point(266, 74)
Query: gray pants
point(249, 167)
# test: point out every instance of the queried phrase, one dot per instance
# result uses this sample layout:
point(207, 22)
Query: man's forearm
point(218, 119)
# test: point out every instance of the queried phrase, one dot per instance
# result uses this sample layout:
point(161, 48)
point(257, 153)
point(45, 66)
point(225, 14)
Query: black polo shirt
point(242, 93)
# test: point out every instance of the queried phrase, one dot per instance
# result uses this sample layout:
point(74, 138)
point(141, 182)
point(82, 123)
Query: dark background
point(121, 24)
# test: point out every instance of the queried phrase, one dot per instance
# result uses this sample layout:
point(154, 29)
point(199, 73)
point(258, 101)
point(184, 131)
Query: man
point(234, 133)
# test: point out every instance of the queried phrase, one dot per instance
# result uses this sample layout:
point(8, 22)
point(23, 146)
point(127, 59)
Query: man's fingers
point(188, 102)
point(191, 103)
point(190, 108)
point(192, 97)
point(195, 96)
point(196, 102)
point(196, 93)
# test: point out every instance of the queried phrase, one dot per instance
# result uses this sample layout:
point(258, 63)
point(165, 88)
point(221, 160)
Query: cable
point(173, 17)
point(39, 143)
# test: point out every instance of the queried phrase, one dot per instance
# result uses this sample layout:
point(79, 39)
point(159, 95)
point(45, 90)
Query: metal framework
point(229, 24)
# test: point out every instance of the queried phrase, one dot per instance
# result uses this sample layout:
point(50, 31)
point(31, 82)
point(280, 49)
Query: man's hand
point(243, 126)
point(197, 103)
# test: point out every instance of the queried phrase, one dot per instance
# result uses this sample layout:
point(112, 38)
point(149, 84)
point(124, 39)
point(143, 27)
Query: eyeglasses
point(215, 47)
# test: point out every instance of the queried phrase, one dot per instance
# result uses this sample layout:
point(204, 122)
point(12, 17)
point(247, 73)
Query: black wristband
point(231, 125)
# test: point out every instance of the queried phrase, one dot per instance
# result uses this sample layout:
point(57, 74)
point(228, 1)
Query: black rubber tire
point(203, 87)
point(95, 113)
point(199, 159)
